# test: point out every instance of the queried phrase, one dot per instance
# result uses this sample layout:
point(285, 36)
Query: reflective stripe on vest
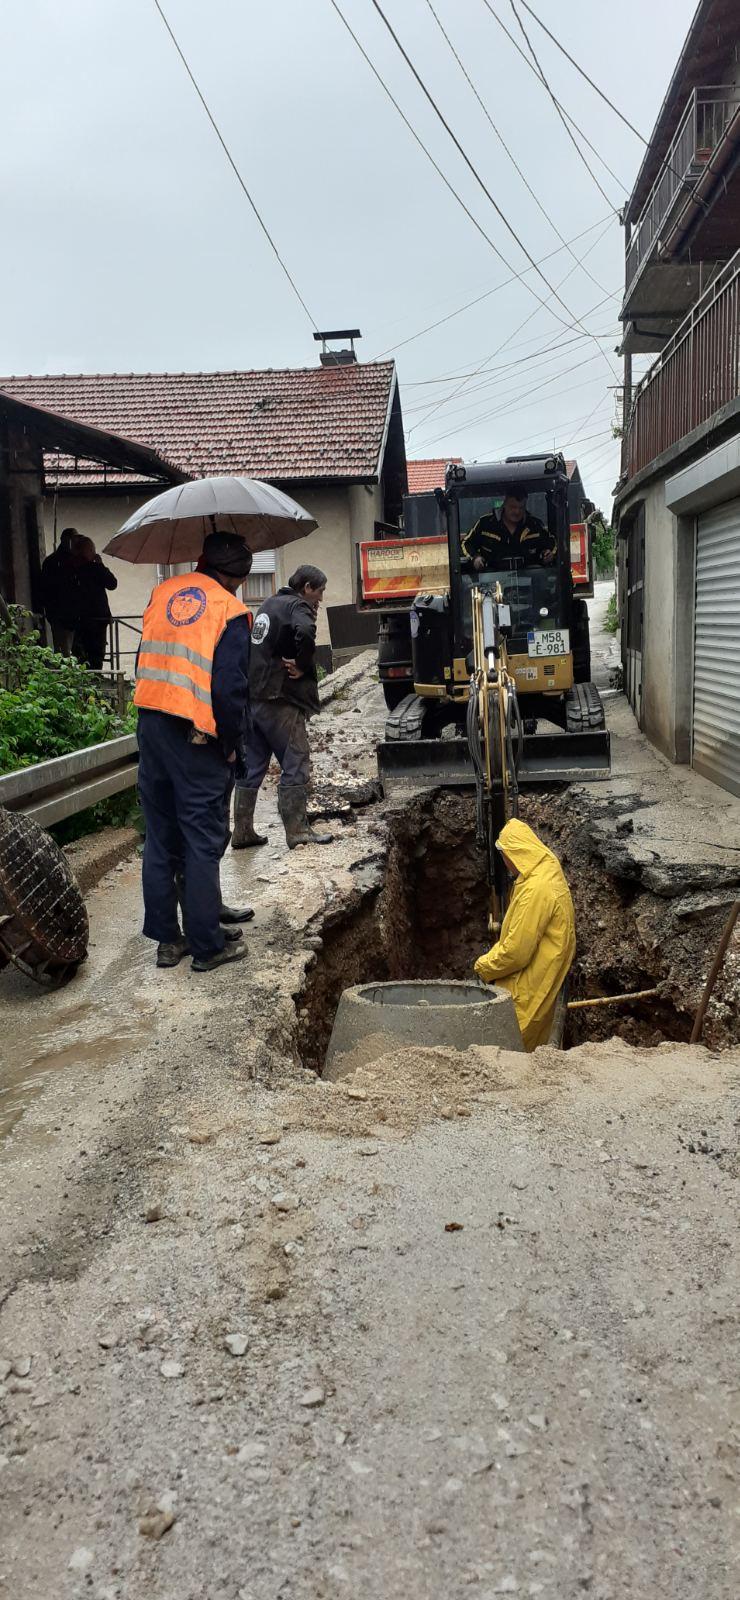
point(165, 647)
point(156, 675)
point(183, 623)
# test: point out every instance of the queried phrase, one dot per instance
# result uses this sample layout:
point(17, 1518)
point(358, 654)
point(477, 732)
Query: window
point(257, 587)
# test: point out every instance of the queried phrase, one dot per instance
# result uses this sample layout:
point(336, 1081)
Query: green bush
point(603, 550)
point(611, 620)
point(49, 704)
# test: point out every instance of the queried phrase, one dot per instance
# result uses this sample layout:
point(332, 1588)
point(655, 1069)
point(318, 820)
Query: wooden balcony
point(697, 373)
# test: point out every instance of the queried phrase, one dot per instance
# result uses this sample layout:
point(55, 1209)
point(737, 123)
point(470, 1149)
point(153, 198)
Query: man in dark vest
point(510, 534)
point(283, 692)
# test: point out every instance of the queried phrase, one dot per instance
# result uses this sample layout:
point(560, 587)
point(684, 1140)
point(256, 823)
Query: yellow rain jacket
point(538, 937)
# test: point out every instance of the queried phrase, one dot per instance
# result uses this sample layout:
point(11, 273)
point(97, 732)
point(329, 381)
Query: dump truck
point(543, 623)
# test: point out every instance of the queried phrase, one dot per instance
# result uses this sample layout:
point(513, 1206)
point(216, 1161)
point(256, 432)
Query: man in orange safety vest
point(192, 695)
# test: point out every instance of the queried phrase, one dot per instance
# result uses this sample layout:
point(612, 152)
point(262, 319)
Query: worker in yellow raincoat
point(533, 956)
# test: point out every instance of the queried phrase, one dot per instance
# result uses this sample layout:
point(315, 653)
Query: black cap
point(227, 553)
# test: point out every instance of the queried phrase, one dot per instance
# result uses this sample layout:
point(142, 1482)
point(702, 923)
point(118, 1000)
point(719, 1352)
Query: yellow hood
point(522, 846)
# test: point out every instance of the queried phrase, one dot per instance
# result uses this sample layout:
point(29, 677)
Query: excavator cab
point(528, 566)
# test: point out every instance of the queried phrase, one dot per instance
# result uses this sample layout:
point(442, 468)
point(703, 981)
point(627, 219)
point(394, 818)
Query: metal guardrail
point(54, 790)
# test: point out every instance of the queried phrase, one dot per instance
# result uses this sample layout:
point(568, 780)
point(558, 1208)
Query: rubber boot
point(244, 834)
point(292, 804)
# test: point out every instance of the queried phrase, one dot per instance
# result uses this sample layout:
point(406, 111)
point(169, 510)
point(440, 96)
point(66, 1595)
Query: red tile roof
point(428, 474)
point(287, 426)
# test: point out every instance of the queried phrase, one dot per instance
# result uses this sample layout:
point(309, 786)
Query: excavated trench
point(420, 911)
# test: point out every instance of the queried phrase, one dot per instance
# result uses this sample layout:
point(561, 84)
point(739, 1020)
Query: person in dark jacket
point(510, 534)
point(93, 581)
point(60, 592)
point(192, 694)
point(284, 693)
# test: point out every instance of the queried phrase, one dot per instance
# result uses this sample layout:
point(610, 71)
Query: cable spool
point(43, 921)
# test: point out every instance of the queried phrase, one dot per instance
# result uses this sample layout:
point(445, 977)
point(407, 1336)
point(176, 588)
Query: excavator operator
point(507, 535)
point(537, 944)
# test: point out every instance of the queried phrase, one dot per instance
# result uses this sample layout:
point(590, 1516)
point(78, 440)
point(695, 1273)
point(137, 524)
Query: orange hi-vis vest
point(183, 623)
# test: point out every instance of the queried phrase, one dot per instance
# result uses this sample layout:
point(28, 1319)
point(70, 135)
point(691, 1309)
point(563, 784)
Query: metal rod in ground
point(714, 973)
point(611, 999)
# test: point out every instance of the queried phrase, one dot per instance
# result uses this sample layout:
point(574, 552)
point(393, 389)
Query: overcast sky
point(128, 245)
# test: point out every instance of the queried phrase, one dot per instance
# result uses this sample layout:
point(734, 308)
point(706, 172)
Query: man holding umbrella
point(192, 692)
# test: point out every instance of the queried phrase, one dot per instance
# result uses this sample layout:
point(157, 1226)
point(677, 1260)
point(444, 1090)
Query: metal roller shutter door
point(716, 721)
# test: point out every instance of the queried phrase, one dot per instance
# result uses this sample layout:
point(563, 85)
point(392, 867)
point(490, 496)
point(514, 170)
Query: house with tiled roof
point(330, 435)
point(429, 473)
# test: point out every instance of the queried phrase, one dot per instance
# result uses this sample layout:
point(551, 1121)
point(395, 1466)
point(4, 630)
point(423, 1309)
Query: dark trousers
point(277, 728)
point(183, 790)
point(90, 642)
point(63, 637)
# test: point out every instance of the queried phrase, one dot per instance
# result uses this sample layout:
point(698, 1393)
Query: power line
point(473, 169)
point(534, 438)
point(488, 359)
point(484, 108)
point(541, 371)
point(506, 366)
point(566, 114)
point(235, 168)
point(456, 197)
point(600, 92)
point(556, 104)
point(431, 326)
point(527, 398)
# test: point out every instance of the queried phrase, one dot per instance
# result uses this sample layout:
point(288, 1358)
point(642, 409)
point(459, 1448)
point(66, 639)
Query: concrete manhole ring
point(455, 1013)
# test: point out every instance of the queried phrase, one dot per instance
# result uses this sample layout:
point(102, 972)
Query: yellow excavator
point(495, 655)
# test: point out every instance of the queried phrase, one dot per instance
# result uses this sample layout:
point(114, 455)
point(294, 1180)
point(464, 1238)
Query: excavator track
point(584, 710)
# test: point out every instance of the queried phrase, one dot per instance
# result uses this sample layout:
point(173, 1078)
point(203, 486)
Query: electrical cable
point(536, 438)
point(512, 158)
point(538, 380)
point(487, 362)
point(456, 197)
point(473, 169)
point(511, 409)
point(432, 326)
point(505, 368)
point(600, 92)
point(235, 168)
point(566, 114)
point(556, 104)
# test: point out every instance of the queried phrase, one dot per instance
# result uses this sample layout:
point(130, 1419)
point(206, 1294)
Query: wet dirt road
point(540, 1402)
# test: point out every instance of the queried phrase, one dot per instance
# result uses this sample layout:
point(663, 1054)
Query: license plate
point(548, 641)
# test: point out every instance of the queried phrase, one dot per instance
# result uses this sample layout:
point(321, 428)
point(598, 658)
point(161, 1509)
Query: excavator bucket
point(548, 759)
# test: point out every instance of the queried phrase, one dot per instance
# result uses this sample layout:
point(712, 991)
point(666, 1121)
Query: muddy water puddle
point(27, 1075)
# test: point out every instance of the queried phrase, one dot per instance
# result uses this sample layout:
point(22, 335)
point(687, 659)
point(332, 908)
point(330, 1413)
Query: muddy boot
point(230, 914)
point(244, 834)
point(292, 802)
point(170, 955)
point(220, 958)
